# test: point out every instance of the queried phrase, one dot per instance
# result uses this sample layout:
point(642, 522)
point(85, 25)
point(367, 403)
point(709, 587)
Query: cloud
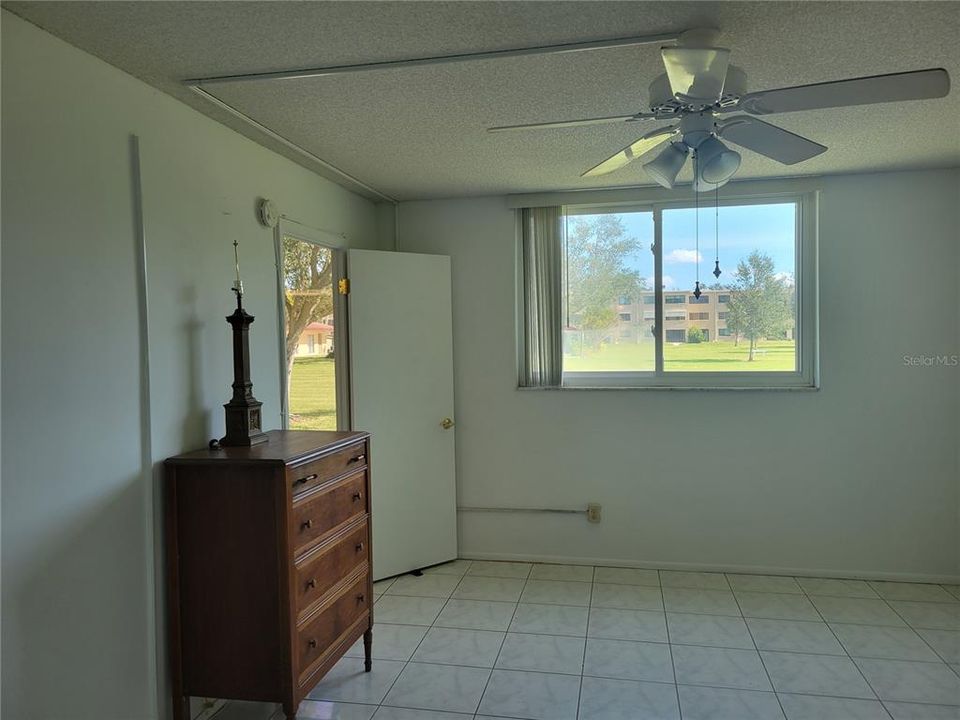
point(786, 277)
point(668, 281)
point(683, 256)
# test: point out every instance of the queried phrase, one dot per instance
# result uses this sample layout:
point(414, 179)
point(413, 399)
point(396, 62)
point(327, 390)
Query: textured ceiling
point(420, 133)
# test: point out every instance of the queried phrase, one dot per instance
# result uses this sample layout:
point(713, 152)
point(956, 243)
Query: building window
point(624, 300)
point(766, 291)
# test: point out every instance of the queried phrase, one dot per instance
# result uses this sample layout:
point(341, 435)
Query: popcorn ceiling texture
point(420, 133)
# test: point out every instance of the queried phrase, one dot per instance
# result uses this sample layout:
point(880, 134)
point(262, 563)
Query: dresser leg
point(181, 707)
point(290, 711)
point(368, 650)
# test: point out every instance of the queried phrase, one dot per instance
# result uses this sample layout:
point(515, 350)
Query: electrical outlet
point(593, 512)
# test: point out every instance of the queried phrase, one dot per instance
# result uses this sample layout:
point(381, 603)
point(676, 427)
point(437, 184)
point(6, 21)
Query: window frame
point(805, 377)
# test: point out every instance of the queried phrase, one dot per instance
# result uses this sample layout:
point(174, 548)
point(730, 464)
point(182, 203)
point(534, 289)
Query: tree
point(694, 335)
point(759, 304)
point(307, 290)
point(597, 272)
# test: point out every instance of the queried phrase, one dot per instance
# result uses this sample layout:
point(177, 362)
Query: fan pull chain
point(716, 226)
point(696, 211)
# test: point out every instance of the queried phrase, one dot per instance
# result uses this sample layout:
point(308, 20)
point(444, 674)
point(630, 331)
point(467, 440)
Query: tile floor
point(493, 640)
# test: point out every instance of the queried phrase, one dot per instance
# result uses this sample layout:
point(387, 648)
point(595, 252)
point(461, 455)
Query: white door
point(401, 382)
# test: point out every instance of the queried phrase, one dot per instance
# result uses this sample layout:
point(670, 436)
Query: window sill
point(676, 388)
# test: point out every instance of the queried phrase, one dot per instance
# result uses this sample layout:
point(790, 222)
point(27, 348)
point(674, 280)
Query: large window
point(764, 333)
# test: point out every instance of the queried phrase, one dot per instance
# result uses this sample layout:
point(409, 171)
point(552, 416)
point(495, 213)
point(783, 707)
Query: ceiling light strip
point(291, 146)
point(438, 60)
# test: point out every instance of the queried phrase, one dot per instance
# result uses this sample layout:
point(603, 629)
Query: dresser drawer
point(316, 638)
point(322, 569)
point(320, 512)
point(313, 473)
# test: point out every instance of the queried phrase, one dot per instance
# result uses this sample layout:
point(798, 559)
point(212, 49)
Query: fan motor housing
point(662, 100)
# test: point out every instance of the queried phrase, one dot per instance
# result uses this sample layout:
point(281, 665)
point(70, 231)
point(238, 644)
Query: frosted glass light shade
point(665, 167)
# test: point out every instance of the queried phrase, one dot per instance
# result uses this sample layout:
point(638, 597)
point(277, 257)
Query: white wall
point(858, 478)
point(79, 609)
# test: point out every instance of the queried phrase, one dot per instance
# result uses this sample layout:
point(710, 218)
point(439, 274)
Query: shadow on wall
point(196, 421)
point(85, 598)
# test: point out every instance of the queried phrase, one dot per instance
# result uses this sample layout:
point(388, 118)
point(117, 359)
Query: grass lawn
point(313, 394)
point(703, 357)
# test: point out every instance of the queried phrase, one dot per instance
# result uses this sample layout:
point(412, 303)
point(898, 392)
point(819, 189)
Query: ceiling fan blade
point(916, 85)
point(634, 150)
point(696, 72)
point(572, 123)
point(769, 140)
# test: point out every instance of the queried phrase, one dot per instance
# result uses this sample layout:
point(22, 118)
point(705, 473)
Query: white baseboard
point(707, 567)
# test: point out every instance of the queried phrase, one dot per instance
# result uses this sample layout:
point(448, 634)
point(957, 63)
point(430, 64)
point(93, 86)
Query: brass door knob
point(447, 423)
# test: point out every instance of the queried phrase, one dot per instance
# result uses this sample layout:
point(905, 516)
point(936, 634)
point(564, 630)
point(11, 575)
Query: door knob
point(446, 423)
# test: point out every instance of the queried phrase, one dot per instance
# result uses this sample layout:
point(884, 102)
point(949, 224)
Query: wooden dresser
point(268, 562)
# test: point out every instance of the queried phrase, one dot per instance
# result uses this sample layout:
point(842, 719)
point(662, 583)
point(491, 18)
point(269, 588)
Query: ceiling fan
point(699, 91)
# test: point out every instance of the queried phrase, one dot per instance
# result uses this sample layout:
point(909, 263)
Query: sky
point(742, 229)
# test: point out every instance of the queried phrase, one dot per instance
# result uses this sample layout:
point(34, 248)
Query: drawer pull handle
point(311, 583)
point(360, 598)
point(356, 459)
point(308, 478)
point(359, 547)
point(306, 525)
point(357, 496)
point(312, 643)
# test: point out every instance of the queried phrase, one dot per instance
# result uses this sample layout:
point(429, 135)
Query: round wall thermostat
point(267, 212)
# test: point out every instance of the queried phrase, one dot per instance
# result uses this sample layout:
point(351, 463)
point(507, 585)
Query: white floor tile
point(695, 580)
point(836, 588)
point(489, 568)
point(719, 667)
point(424, 586)
point(438, 687)
point(888, 643)
point(764, 583)
point(550, 620)
point(857, 611)
point(794, 636)
point(915, 711)
point(945, 642)
point(912, 681)
point(703, 703)
point(708, 602)
point(912, 591)
point(556, 592)
point(347, 682)
point(626, 597)
point(816, 675)
point(391, 642)
point(381, 586)
point(324, 710)
point(489, 588)
point(542, 653)
point(811, 707)
point(953, 590)
point(626, 576)
point(776, 606)
point(546, 571)
point(476, 614)
point(605, 699)
point(709, 631)
point(643, 625)
point(403, 610)
point(395, 713)
point(933, 616)
point(628, 660)
point(454, 567)
point(537, 696)
point(453, 646)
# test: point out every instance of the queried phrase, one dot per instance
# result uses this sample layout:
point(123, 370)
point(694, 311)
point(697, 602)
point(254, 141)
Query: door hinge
point(343, 286)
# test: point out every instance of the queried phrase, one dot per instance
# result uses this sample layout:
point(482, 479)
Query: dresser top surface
point(283, 446)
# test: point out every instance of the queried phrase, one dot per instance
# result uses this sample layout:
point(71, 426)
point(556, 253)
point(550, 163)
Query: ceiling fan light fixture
point(716, 162)
point(665, 167)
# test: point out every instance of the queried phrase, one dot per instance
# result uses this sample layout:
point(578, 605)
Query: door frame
point(337, 244)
